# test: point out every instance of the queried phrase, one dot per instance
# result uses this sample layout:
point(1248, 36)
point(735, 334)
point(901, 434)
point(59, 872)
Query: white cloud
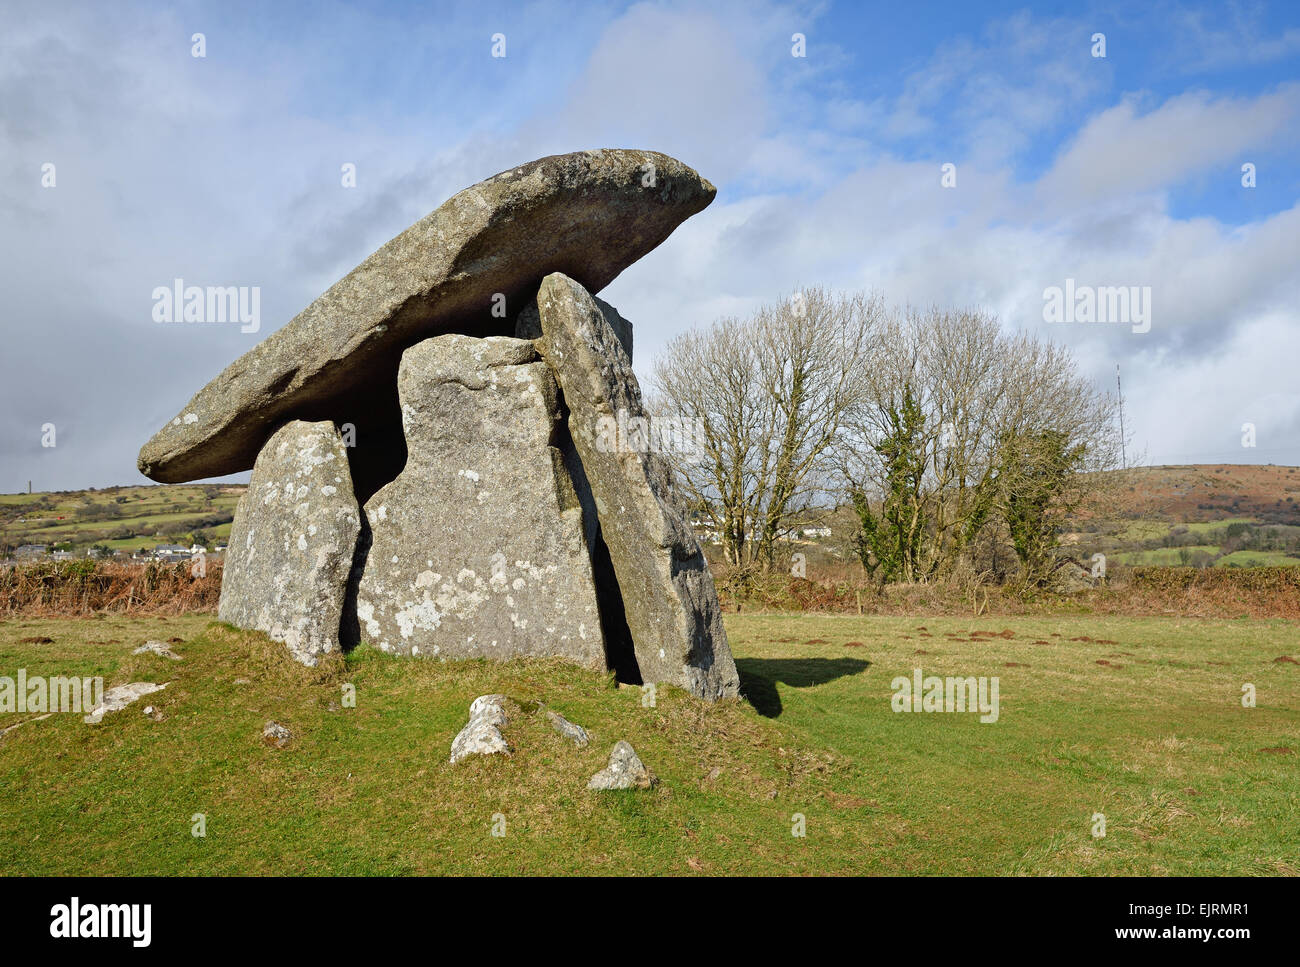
point(1191, 410)
point(164, 172)
point(1121, 152)
point(1235, 36)
point(992, 97)
point(675, 81)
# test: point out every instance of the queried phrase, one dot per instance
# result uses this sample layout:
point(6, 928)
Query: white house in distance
point(171, 553)
point(816, 532)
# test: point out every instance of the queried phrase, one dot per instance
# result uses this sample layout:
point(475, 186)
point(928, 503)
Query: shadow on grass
point(758, 677)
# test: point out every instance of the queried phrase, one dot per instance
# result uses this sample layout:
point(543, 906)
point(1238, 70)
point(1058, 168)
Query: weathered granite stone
point(159, 648)
point(528, 324)
point(292, 543)
point(625, 771)
point(589, 214)
point(477, 548)
point(276, 735)
point(1069, 576)
point(119, 697)
point(619, 651)
point(669, 601)
point(575, 733)
point(482, 733)
point(620, 654)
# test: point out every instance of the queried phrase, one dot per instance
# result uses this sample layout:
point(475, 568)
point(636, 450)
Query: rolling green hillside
point(119, 518)
point(1201, 516)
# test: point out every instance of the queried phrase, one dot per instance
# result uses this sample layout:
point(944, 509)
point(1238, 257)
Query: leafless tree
point(771, 393)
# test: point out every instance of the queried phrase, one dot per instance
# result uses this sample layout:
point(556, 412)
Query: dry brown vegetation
point(1208, 492)
point(1265, 592)
point(76, 588)
point(81, 588)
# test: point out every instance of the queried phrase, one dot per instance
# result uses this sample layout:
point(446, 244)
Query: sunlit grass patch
point(1139, 720)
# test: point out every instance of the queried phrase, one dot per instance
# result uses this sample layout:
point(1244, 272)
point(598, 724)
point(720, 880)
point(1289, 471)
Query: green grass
point(1163, 555)
point(1257, 559)
point(1147, 530)
point(1142, 530)
point(157, 514)
point(1206, 526)
point(1157, 740)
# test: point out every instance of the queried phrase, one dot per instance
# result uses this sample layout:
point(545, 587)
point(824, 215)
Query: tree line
point(960, 448)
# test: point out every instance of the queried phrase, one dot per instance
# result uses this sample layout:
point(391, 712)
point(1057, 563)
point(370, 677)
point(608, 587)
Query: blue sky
point(224, 170)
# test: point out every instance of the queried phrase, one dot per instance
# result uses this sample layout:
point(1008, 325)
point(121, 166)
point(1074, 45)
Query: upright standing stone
point(477, 548)
point(669, 600)
point(528, 324)
point(292, 542)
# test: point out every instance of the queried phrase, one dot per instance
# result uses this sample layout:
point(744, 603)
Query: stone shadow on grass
point(758, 677)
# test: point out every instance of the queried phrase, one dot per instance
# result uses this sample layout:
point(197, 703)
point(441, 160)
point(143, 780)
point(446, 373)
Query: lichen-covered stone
point(589, 214)
point(159, 648)
point(482, 733)
point(119, 697)
point(293, 540)
point(624, 771)
point(528, 324)
point(477, 549)
point(669, 601)
point(570, 730)
point(276, 735)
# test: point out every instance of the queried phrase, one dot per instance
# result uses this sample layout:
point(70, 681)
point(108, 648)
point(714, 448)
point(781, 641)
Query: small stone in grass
point(276, 735)
point(482, 733)
point(119, 697)
point(625, 771)
point(569, 730)
point(159, 648)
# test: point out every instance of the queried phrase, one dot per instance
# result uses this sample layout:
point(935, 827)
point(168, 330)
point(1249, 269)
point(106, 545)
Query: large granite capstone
point(468, 267)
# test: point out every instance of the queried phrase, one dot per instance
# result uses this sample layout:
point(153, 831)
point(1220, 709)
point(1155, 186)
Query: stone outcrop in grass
point(159, 648)
point(119, 697)
point(625, 771)
point(574, 733)
point(276, 736)
point(482, 733)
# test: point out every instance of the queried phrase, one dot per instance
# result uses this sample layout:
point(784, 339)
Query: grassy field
point(1257, 559)
point(1167, 556)
point(1138, 719)
point(1173, 556)
point(145, 516)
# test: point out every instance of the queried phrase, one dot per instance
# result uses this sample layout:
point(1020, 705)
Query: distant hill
point(1211, 515)
point(119, 518)
point(1215, 492)
point(1219, 514)
point(1206, 515)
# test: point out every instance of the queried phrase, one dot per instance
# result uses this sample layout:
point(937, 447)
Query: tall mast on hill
point(1123, 456)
